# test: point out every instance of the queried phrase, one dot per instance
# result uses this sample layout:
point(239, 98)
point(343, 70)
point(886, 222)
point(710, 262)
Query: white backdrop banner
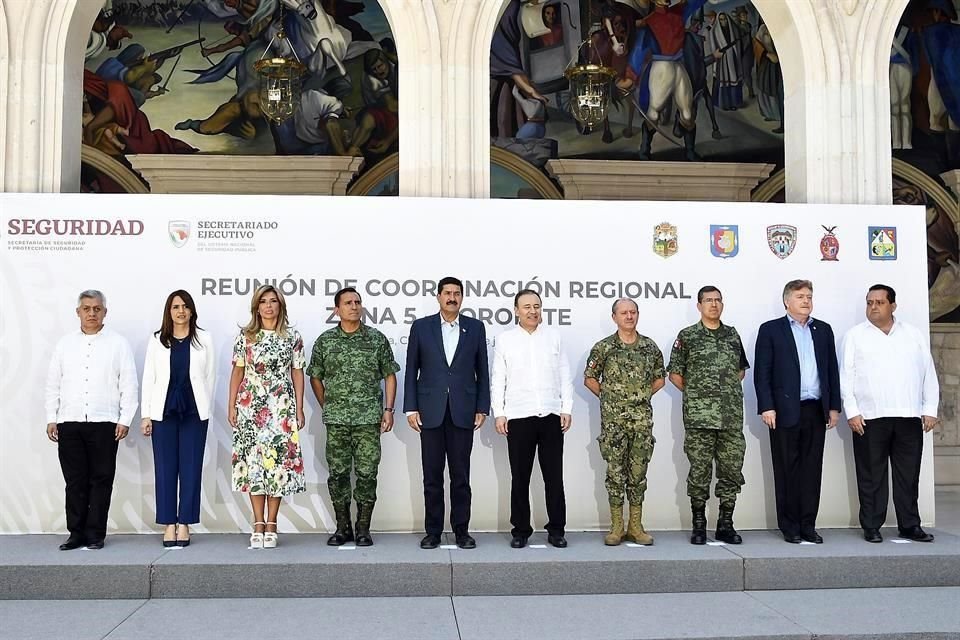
point(580, 255)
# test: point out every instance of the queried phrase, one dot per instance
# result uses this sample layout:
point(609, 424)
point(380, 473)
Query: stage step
point(924, 613)
point(220, 566)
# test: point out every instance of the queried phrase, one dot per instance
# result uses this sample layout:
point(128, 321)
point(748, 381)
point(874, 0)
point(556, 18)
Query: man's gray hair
point(796, 285)
point(613, 309)
point(93, 293)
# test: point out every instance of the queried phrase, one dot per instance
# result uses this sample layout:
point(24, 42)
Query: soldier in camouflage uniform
point(708, 364)
point(624, 370)
point(346, 368)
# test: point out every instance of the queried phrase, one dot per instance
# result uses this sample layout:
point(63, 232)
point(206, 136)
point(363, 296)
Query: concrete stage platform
point(220, 566)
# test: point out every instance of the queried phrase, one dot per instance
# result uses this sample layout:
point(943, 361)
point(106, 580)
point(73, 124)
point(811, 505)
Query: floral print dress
point(266, 442)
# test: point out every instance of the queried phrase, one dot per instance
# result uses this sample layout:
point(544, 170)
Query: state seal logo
point(665, 239)
point(782, 239)
point(179, 231)
point(724, 240)
point(829, 245)
point(883, 243)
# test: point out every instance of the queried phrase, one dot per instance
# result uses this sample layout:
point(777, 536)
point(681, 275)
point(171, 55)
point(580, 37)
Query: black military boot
point(725, 531)
point(344, 532)
point(364, 513)
point(699, 533)
point(646, 141)
point(689, 145)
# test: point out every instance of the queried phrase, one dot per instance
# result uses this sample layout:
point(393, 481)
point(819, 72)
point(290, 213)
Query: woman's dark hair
point(166, 325)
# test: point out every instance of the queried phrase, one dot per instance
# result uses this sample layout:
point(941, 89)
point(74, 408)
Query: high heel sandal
point(256, 538)
point(270, 538)
point(183, 542)
point(168, 544)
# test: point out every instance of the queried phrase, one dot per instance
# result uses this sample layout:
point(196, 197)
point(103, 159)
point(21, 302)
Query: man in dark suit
point(446, 396)
point(798, 396)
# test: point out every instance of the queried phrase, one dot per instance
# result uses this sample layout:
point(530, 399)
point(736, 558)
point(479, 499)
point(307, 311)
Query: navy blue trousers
point(178, 445)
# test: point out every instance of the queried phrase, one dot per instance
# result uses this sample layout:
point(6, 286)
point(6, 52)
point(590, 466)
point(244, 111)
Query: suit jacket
point(430, 383)
point(776, 373)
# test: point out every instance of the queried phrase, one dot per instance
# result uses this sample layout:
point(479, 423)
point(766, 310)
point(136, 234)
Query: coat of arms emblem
point(724, 240)
point(883, 243)
point(829, 245)
point(665, 239)
point(179, 231)
point(782, 239)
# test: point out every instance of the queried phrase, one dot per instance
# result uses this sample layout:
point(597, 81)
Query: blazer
point(776, 373)
point(430, 384)
point(156, 376)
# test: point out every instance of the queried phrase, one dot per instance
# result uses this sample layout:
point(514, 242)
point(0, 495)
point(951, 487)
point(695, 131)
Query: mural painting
point(697, 80)
point(176, 76)
point(925, 137)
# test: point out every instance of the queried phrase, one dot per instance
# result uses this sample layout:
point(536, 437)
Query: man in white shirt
point(91, 398)
point(531, 396)
point(890, 394)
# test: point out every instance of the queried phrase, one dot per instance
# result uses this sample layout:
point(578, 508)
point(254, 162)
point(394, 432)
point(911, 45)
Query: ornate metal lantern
point(591, 87)
point(280, 79)
point(279, 86)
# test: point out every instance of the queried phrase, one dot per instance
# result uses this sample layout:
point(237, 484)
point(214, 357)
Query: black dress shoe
point(792, 538)
point(558, 541)
point(169, 544)
point(812, 536)
point(466, 541)
point(518, 542)
point(916, 534)
point(872, 535)
point(430, 541)
point(93, 546)
point(72, 543)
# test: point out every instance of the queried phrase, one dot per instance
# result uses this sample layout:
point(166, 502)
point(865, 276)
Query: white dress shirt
point(888, 375)
point(92, 378)
point(156, 376)
point(530, 375)
point(451, 337)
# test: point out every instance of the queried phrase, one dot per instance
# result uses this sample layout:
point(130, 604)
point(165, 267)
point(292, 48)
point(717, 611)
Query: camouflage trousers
point(627, 451)
point(702, 447)
point(353, 447)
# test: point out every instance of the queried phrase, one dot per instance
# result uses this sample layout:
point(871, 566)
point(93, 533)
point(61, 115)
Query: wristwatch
point(390, 409)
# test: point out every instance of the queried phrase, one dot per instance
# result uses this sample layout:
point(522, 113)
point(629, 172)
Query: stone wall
point(945, 344)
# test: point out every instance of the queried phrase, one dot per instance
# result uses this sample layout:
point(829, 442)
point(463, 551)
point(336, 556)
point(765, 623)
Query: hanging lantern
point(590, 92)
point(280, 80)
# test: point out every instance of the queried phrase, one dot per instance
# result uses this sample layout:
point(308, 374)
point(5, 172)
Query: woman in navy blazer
point(798, 416)
point(177, 400)
point(446, 396)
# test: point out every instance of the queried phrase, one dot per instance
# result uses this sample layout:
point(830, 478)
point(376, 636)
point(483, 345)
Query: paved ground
point(821, 614)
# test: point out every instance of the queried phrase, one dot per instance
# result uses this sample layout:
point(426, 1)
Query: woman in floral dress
point(266, 412)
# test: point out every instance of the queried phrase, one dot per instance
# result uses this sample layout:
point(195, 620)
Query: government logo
point(179, 231)
point(665, 239)
point(829, 245)
point(724, 240)
point(782, 239)
point(883, 243)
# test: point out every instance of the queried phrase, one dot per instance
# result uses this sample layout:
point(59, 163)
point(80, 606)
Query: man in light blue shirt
point(797, 380)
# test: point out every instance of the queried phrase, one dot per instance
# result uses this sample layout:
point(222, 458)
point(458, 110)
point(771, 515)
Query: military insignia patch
point(665, 239)
point(883, 243)
point(179, 231)
point(829, 245)
point(724, 240)
point(782, 239)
